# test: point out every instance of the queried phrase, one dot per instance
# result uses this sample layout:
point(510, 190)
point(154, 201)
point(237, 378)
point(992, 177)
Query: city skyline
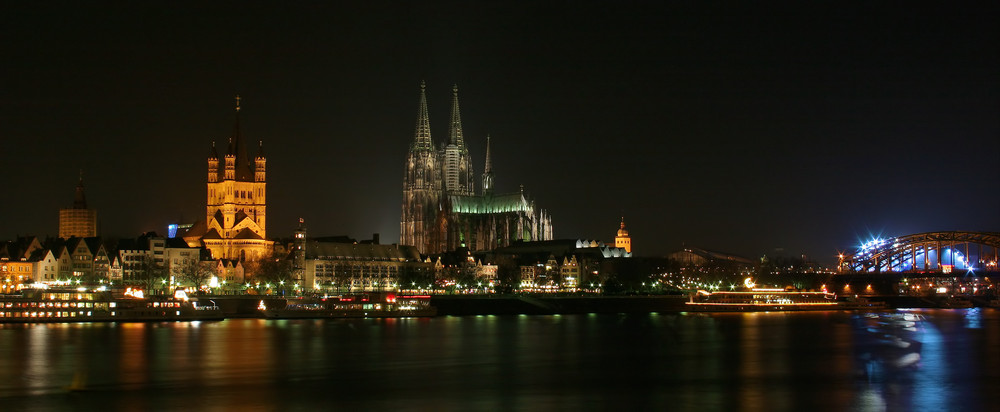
point(714, 128)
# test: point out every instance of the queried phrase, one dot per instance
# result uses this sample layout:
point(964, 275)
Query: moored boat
point(81, 305)
point(761, 299)
point(363, 305)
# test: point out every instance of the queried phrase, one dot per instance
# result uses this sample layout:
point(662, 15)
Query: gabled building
point(22, 247)
point(17, 262)
point(89, 258)
point(45, 266)
point(565, 264)
point(14, 273)
point(64, 261)
point(230, 271)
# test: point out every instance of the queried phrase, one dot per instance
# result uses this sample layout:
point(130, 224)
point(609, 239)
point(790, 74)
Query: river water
point(904, 360)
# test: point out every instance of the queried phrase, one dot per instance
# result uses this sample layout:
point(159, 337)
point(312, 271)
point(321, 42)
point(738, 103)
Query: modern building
point(440, 210)
point(78, 221)
point(235, 225)
point(151, 261)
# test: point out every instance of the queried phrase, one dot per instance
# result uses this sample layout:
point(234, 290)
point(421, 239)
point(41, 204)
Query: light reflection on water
point(736, 361)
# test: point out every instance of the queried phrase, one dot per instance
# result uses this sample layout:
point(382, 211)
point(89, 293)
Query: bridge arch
point(930, 252)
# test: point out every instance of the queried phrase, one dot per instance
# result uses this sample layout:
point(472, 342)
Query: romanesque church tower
point(237, 201)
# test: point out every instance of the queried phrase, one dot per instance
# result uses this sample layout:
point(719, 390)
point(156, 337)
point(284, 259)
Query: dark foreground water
point(907, 360)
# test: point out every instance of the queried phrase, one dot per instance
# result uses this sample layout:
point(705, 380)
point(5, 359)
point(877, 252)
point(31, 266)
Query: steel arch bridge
point(931, 252)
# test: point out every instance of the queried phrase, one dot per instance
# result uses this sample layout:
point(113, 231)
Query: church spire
point(238, 149)
point(489, 163)
point(456, 121)
point(235, 138)
point(79, 200)
point(488, 170)
point(422, 135)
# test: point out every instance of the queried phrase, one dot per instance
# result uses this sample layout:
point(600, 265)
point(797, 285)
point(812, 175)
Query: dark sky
point(736, 129)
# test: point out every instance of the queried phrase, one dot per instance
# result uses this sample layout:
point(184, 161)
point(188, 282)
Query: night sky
point(735, 129)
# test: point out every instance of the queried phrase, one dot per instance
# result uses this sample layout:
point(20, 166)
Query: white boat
point(764, 299)
point(71, 305)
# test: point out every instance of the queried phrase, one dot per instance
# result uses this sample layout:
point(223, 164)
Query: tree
point(195, 272)
point(342, 276)
point(150, 275)
point(508, 275)
point(268, 270)
point(415, 276)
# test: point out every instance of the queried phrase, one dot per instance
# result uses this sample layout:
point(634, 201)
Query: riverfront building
point(339, 263)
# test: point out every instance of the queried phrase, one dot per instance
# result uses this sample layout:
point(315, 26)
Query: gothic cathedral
point(441, 210)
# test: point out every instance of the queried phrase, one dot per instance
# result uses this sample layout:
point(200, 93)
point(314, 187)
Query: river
point(904, 360)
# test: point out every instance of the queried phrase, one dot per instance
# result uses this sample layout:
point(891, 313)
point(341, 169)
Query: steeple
point(488, 170)
point(238, 150)
point(489, 163)
point(455, 136)
point(422, 135)
point(212, 153)
point(235, 138)
point(79, 200)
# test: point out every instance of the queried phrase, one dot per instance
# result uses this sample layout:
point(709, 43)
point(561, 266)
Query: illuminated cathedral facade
point(236, 212)
point(441, 210)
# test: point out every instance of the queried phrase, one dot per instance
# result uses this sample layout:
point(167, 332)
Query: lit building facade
point(236, 212)
point(622, 240)
point(78, 221)
point(341, 264)
point(440, 210)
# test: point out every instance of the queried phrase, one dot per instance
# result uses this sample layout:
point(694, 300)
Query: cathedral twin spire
point(456, 122)
point(456, 164)
point(440, 208)
point(422, 137)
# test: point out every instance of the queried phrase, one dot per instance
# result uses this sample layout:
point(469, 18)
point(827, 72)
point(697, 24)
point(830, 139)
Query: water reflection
point(927, 359)
point(735, 361)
